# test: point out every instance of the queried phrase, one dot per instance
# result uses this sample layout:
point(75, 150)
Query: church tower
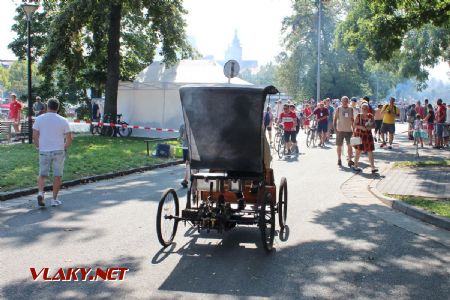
point(234, 51)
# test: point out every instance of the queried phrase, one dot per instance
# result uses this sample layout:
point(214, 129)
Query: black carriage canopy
point(224, 126)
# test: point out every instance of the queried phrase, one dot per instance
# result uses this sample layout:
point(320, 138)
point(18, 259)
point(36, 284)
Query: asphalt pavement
point(336, 248)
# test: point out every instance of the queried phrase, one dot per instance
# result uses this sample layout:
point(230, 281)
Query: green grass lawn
point(425, 163)
point(88, 155)
point(439, 207)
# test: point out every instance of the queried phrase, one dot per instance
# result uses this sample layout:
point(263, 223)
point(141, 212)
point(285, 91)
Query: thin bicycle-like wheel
point(166, 224)
point(282, 203)
point(308, 139)
point(281, 148)
point(314, 138)
point(124, 131)
point(267, 222)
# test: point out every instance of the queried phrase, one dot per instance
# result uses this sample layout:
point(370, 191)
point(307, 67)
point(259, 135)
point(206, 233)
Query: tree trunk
point(112, 76)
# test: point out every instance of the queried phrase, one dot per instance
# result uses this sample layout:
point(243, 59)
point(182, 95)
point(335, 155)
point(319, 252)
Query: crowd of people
point(359, 124)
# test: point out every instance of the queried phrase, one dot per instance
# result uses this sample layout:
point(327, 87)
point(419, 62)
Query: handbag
point(355, 140)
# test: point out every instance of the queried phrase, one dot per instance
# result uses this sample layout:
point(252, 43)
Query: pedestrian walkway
point(429, 182)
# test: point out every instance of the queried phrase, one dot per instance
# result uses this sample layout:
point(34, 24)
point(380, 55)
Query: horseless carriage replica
point(233, 184)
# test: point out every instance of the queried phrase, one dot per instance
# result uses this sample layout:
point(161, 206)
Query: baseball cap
point(354, 99)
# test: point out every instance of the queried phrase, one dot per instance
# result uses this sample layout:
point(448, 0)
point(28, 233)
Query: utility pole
point(318, 50)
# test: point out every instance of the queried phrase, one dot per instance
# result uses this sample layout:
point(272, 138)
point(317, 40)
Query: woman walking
point(363, 125)
point(429, 118)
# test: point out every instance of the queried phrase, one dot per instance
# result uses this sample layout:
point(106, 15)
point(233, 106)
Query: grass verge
point(88, 155)
point(439, 207)
point(425, 163)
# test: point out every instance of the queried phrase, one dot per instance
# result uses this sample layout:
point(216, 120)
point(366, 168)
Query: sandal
point(356, 169)
point(374, 171)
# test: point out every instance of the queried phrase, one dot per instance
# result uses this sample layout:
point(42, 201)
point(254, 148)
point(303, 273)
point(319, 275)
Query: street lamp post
point(319, 12)
point(29, 9)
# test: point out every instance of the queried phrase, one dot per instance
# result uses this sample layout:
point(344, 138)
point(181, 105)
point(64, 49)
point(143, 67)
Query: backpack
point(266, 119)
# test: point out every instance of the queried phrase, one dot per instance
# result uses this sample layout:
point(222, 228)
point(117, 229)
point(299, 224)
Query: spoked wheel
point(124, 131)
point(282, 203)
point(308, 139)
point(166, 225)
point(313, 138)
point(267, 222)
point(280, 149)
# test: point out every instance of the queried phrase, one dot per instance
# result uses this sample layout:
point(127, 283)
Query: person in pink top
point(307, 112)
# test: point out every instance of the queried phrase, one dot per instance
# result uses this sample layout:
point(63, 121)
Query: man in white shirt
point(52, 137)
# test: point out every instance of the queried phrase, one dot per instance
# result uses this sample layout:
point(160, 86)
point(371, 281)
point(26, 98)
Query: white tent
point(153, 99)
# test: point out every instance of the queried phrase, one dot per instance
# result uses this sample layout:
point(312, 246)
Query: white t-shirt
point(52, 130)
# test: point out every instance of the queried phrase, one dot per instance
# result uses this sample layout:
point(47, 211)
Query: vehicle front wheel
point(166, 224)
point(267, 222)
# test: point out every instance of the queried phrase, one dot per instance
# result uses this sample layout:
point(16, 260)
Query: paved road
point(337, 249)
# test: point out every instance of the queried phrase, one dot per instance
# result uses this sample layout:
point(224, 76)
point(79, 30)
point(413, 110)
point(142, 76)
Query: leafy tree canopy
point(416, 32)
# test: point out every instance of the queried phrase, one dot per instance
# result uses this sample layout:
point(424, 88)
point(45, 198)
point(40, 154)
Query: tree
point(265, 76)
point(5, 84)
point(94, 43)
point(342, 73)
point(410, 35)
point(18, 78)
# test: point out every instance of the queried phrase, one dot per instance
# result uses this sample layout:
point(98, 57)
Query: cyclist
point(288, 119)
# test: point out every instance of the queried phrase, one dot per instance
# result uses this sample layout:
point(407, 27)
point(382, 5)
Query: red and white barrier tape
point(125, 126)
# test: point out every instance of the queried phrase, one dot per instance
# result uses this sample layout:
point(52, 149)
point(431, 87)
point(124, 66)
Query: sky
point(212, 24)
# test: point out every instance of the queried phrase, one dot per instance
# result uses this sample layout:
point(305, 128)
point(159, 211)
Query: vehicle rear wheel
point(267, 222)
point(166, 224)
point(282, 203)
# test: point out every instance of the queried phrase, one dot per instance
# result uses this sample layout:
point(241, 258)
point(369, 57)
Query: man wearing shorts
point(441, 113)
point(343, 123)
point(289, 121)
point(389, 111)
point(321, 114)
point(52, 137)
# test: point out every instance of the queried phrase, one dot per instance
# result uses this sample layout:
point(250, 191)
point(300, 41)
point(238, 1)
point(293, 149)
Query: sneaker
point(382, 145)
point(56, 202)
point(40, 200)
point(184, 183)
point(350, 163)
point(339, 163)
point(374, 171)
point(389, 147)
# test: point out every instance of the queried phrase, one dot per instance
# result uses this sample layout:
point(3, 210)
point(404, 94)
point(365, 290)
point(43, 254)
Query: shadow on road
point(368, 258)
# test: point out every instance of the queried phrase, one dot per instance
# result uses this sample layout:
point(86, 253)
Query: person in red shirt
point(440, 123)
point(289, 121)
point(307, 112)
point(14, 111)
point(321, 114)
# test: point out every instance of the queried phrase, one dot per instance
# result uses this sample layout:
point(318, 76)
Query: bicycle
point(111, 131)
point(279, 135)
point(311, 135)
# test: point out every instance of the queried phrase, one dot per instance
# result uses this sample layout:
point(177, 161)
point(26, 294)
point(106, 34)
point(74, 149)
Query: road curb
point(24, 192)
point(409, 209)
